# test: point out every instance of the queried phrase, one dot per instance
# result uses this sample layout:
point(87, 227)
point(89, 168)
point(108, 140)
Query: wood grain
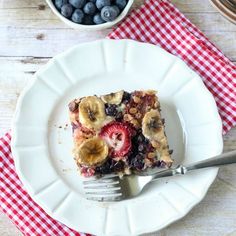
point(30, 35)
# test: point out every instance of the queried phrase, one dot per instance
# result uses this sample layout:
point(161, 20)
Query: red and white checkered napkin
point(30, 219)
point(157, 22)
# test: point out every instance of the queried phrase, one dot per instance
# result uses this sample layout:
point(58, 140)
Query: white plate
point(42, 150)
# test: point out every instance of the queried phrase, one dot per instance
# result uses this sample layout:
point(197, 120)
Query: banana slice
point(92, 112)
point(152, 126)
point(91, 152)
point(113, 98)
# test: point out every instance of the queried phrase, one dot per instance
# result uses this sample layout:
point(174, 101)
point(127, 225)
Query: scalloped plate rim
point(14, 140)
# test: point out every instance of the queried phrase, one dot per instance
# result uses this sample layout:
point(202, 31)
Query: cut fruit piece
point(120, 132)
point(92, 112)
point(152, 126)
point(91, 152)
point(117, 136)
point(113, 98)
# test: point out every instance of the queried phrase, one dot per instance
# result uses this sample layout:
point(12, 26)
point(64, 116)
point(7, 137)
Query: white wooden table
point(30, 34)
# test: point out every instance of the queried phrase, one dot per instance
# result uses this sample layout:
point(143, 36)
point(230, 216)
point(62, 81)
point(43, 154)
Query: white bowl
point(91, 27)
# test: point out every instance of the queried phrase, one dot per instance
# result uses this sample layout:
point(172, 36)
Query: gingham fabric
point(29, 218)
point(160, 23)
point(157, 22)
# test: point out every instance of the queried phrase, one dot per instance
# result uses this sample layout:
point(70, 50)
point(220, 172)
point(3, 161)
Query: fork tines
point(103, 189)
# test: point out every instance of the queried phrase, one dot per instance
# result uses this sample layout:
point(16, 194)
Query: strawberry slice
point(117, 136)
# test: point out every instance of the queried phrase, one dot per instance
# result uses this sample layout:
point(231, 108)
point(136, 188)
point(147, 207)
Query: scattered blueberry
point(102, 3)
point(88, 20)
point(121, 4)
point(111, 110)
point(67, 10)
point(60, 3)
point(77, 3)
point(77, 16)
point(89, 8)
point(109, 13)
point(126, 97)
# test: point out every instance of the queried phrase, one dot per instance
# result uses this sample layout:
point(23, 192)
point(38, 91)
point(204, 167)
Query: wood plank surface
point(30, 34)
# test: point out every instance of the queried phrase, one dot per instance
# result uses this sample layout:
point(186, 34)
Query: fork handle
point(220, 160)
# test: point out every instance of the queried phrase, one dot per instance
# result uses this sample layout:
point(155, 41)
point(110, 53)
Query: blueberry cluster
point(90, 12)
point(137, 156)
point(112, 110)
point(110, 166)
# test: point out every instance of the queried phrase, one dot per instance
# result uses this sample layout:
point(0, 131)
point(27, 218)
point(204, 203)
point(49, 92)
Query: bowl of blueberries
point(90, 14)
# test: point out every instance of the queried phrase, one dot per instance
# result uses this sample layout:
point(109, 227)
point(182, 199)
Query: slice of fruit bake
point(118, 133)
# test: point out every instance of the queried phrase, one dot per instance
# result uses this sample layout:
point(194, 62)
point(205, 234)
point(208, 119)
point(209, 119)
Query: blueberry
point(138, 162)
point(106, 168)
point(109, 13)
point(97, 19)
point(102, 3)
point(121, 4)
point(77, 16)
point(140, 138)
point(118, 166)
point(89, 8)
point(88, 20)
point(126, 97)
point(60, 3)
point(141, 148)
point(67, 10)
point(94, 1)
point(111, 110)
point(119, 116)
point(77, 3)
point(117, 9)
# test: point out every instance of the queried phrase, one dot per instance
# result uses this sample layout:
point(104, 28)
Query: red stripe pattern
point(16, 203)
point(160, 23)
point(157, 22)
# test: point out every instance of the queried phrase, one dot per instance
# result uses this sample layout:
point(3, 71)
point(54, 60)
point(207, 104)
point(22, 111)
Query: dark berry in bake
point(111, 110)
point(126, 97)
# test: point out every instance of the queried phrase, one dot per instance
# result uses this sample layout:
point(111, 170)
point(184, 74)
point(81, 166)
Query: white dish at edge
point(42, 143)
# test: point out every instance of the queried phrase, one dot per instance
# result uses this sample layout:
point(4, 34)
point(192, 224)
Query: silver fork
point(113, 188)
